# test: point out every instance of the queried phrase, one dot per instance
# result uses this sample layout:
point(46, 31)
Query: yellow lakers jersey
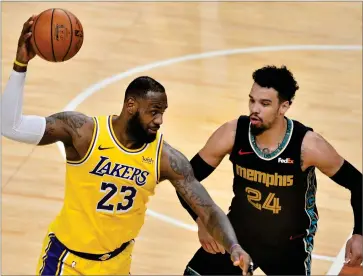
point(107, 191)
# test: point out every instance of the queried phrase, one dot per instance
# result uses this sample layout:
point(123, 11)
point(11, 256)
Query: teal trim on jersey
point(279, 149)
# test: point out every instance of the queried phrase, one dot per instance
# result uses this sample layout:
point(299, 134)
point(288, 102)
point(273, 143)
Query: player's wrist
point(20, 65)
point(19, 69)
point(235, 245)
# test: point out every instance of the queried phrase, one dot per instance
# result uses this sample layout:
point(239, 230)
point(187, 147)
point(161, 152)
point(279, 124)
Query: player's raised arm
point(32, 129)
point(176, 168)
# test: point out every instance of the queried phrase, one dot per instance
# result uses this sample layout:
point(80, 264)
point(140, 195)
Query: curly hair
point(280, 79)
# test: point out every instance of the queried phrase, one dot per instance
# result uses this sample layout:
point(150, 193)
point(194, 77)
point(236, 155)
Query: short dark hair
point(140, 86)
point(280, 79)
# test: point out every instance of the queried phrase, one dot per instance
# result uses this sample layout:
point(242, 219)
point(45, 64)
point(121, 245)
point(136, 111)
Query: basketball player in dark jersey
point(273, 210)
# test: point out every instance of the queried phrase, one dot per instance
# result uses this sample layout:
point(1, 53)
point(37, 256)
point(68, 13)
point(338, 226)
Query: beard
point(258, 130)
point(255, 130)
point(137, 131)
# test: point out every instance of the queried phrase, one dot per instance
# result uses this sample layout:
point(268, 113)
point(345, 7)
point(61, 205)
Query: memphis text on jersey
point(105, 166)
point(265, 178)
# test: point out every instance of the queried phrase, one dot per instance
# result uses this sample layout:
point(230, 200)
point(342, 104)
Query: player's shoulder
point(226, 129)
point(72, 119)
point(224, 136)
point(82, 120)
point(230, 125)
point(313, 139)
point(233, 124)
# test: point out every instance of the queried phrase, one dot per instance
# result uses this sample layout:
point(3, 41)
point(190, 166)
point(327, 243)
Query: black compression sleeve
point(350, 178)
point(201, 171)
point(201, 168)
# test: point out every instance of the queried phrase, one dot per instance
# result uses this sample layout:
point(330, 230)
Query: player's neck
point(272, 137)
point(119, 125)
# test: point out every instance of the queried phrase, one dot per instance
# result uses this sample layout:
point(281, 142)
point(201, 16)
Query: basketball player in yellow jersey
point(113, 164)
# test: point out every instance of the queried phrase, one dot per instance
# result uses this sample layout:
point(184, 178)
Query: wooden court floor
point(203, 92)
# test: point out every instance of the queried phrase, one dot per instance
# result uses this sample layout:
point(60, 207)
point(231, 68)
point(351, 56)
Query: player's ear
point(284, 107)
point(131, 105)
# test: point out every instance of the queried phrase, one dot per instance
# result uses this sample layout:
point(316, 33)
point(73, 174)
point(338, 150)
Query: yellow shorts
point(55, 259)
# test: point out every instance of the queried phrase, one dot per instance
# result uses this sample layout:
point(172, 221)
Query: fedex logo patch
point(285, 161)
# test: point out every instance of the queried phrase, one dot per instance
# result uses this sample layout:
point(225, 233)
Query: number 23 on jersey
point(128, 194)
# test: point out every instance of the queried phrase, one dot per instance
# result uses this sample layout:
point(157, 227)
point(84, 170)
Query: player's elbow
point(8, 129)
point(29, 129)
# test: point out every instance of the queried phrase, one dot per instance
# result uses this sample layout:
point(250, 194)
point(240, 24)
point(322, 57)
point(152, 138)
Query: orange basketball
point(351, 270)
point(57, 35)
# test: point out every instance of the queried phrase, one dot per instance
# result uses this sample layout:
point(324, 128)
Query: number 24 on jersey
point(271, 202)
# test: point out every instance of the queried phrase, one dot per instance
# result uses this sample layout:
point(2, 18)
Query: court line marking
point(81, 97)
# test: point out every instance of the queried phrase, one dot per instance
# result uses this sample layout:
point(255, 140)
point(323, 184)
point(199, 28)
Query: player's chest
point(120, 168)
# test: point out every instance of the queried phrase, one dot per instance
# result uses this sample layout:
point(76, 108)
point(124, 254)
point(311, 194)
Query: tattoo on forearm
point(302, 158)
point(193, 192)
point(221, 229)
point(187, 186)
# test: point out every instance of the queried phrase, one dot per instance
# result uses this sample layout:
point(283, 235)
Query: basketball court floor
point(204, 54)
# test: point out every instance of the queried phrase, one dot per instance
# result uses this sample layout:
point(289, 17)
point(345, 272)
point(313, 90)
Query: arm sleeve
point(201, 171)
point(350, 178)
point(16, 126)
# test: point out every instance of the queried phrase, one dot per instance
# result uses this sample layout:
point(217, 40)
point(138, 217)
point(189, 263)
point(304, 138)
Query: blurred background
point(211, 50)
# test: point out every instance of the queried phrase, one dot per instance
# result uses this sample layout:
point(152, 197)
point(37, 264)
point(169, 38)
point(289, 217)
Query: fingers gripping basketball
point(57, 35)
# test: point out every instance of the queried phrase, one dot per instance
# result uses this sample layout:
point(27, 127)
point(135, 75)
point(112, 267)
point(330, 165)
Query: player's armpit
point(65, 127)
point(176, 168)
point(219, 144)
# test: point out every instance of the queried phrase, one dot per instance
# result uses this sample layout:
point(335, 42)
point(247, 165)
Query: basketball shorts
point(56, 259)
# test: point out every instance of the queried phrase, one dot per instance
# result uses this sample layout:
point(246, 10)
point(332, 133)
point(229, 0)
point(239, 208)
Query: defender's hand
point(353, 250)
point(208, 243)
point(240, 258)
point(25, 51)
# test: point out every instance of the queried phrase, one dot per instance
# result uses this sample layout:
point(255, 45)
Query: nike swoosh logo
point(295, 237)
point(101, 148)
point(244, 152)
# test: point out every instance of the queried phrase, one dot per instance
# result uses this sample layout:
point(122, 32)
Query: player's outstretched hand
point(353, 251)
point(240, 258)
point(25, 51)
point(208, 243)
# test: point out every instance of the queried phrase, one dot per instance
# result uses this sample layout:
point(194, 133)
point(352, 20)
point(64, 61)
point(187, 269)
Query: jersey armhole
point(91, 145)
point(240, 127)
point(159, 149)
point(305, 131)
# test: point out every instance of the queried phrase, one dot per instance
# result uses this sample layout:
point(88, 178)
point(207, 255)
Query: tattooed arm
point(65, 127)
point(176, 168)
